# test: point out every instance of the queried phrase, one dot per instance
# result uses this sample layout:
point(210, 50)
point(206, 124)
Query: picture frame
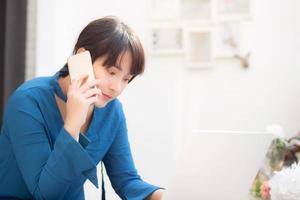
point(200, 11)
point(167, 39)
point(199, 47)
point(215, 25)
point(162, 10)
point(233, 9)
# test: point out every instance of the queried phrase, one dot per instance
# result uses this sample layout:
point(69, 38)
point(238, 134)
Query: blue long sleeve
point(47, 172)
point(121, 169)
point(39, 159)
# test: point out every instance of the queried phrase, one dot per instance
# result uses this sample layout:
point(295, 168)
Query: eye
point(112, 71)
point(126, 79)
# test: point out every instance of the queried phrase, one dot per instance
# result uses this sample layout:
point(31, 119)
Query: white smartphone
point(81, 64)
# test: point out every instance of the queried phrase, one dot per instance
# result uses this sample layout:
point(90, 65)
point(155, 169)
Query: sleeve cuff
point(137, 190)
point(150, 190)
point(72, 159)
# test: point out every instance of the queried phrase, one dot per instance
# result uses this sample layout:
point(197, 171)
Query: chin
point(101, 104)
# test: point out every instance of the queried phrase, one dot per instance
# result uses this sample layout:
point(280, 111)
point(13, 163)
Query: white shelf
point(200, 30)
point(199, 65)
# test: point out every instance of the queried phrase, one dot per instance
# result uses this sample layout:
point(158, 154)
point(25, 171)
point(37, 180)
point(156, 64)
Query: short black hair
point(108, 36)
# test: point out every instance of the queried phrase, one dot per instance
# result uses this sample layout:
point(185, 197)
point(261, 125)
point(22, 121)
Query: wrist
point(74, 132)
point(156, 195)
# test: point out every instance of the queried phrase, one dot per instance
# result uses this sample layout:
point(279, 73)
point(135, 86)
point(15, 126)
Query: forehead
point(123, 62)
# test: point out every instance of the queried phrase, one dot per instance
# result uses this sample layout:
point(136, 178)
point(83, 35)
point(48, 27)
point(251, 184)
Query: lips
point(107, 96)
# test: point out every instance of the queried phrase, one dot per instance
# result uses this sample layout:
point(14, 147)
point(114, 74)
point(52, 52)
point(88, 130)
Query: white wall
point(169, 101)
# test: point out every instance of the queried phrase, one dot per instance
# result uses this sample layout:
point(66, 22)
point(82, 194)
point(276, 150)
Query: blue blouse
point(39, 159)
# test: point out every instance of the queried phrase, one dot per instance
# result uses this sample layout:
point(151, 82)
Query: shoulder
point(114, 106)
point(118, 106)
point(29, 94)
point(33, 86)
point(35, 83)
point(112, 113)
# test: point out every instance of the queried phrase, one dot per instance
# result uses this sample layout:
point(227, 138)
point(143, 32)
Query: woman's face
point(113, 79)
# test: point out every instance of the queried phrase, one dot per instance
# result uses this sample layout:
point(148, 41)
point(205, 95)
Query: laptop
point(218, 165)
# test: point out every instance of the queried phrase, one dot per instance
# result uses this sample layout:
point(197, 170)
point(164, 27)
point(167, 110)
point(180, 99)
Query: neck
point(64, 84)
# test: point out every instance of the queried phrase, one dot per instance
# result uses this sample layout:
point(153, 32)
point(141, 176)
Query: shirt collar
point(57, 88)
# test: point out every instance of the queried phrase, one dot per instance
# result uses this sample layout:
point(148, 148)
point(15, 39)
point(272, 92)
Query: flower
point(265, 191)
point(276, 130)
point(285, 184)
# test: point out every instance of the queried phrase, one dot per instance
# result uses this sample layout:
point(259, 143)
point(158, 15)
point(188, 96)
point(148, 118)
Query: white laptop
point(218, 165)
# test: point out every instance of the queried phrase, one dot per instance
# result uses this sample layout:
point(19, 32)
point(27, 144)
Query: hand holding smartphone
point(81, 64)
point(80, 100)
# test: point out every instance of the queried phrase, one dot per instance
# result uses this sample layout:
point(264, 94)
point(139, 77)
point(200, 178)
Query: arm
point(48, 173)
point(157, 195)
point(121, 169)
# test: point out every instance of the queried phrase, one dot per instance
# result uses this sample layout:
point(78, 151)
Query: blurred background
point(211, 64)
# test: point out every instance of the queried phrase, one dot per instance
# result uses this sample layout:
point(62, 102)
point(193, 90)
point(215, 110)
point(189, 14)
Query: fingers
point(78, 81)
point(88, 85)
point(82, 79)
point(86, 91)
point(92, 100)
point(92, 92)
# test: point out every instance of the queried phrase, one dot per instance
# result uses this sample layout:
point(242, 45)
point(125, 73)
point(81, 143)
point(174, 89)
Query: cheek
point(102, 76)
point(99, 71)
point(99, 74)
point(104, 84)
point(123, 88)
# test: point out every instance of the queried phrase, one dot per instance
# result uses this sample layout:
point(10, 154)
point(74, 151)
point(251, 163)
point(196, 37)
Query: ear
point(80, 50)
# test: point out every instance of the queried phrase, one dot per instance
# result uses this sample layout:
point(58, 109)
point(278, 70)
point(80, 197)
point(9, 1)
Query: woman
point(56, 130)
